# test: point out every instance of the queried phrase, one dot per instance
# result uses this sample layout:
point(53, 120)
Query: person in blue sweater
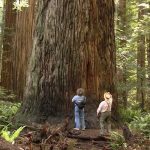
point(79, 101)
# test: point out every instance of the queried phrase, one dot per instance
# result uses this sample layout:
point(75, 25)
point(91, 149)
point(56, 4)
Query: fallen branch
point(99, 138)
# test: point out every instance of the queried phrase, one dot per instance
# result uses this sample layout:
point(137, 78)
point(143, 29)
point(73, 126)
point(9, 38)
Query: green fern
point(7, 111)
point(11, 137)
point(117, 140)
point(141, 124)
point(128, 115)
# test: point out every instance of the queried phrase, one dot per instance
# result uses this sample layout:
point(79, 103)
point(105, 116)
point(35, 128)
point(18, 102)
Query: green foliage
point(129, 114)
point(138, 121)
point(1, 3)
point(6, 95)
point(7, 111)
point(11, 137)
point(141, 124)
point(127, 34)
point(117, 141)
point(19, 4)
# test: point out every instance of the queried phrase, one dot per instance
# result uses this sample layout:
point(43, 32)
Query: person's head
point(80, 91)
point(107, 95)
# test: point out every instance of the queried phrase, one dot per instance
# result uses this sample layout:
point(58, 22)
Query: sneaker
point(76, 129)
point(83, 129)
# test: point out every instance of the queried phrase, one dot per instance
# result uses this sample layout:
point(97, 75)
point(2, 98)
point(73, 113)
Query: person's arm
point(74, 98)
point(99, 108)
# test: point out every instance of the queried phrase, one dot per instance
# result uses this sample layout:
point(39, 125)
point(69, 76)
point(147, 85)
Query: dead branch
point(99, 138)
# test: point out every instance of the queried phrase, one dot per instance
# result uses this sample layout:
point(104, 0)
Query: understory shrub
point(141, 124)
point(118, 141)
point(138, 121)
point(128, 115)
point(7, 112)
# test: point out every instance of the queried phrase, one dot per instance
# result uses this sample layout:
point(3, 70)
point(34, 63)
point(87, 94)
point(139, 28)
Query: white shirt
point(104, 106)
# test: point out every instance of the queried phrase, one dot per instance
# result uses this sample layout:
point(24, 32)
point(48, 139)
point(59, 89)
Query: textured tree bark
point(8, 38)
point(17, 46)
point(141, 65)
point(23, 46)
point(122, 24)
point(73, 47)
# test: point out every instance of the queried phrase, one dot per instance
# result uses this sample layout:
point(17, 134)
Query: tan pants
point(105, 122)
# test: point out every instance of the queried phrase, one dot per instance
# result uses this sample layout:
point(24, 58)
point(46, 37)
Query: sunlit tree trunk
point(23, 46)
point(8, 38)
point(73, 47)
point(141, 64)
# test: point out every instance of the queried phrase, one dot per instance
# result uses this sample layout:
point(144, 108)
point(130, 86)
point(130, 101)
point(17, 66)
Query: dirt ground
point(91, 144)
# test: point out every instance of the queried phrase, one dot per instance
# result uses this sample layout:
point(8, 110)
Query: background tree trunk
point(122, 23)
point(148, 70)
point(148, 65)
point(73, 47)
point(18, 36)
point(8, 38)
point(23, 46)
point(141, 65)
point(1, 37)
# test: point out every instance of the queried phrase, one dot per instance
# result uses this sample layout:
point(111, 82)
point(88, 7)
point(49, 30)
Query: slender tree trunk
point(124, 92)
point(148, 72)
point(7, 55)
point(1, 38)
point(23, 46)
point(73, 47)
point(148, 67)
point(141, 65)
point(123, 25)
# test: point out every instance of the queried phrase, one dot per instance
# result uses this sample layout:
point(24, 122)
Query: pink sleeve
point(99, 108)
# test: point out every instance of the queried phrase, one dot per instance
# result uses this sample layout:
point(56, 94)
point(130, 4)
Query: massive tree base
point(73, 47)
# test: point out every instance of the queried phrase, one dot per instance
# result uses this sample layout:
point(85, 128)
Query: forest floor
point(83, 140)
point(90, 140)
point(77, 140)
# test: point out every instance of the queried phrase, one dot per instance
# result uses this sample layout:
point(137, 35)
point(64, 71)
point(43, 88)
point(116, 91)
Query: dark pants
point(105, 122)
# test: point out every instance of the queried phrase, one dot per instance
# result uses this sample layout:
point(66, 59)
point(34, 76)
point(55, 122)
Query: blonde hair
point(80, 91)
point(107, 95)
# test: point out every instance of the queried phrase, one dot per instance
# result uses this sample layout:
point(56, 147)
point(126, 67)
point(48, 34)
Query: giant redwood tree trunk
point(73, 47)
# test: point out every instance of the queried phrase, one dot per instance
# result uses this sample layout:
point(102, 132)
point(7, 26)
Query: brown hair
point(80, 91)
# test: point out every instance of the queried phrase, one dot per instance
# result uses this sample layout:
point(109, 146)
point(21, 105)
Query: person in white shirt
point(104, 111)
